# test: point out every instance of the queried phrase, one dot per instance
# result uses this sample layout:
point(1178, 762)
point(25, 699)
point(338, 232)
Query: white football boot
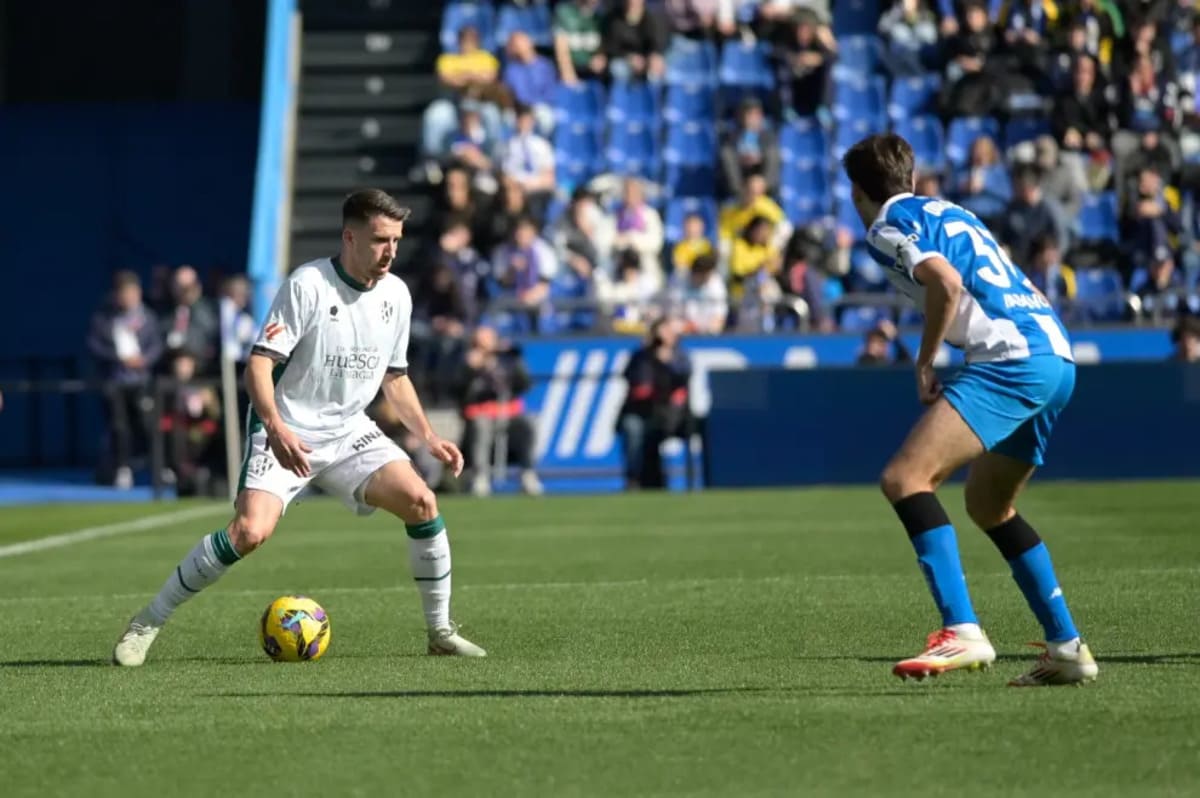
point(1060, 663)
point(445, 641)
point(131, 649)
point(949, 649)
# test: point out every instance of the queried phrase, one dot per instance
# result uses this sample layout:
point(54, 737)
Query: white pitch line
point(108, 530)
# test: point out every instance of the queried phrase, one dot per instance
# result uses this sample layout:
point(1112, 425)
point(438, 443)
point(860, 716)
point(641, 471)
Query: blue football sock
point(1029, 559)
point(1034, 573)
point(933, 537)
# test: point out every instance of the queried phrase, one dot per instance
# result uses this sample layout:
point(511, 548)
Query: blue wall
point(89, 189)
point(777, 427)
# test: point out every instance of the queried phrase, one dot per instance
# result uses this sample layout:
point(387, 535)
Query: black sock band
point(921, 512)
point(1014, 537)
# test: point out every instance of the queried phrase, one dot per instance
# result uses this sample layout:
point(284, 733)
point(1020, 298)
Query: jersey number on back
point(1000, 271)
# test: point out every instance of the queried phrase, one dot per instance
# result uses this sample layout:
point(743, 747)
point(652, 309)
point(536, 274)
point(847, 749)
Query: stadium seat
point(462, 13)
point(925, 135)
point(847, 217)
point(1100, 294)
point(860, 318)
point(690, 180)
point(579, 156)
point(1024, 128)
point(680, 208)
point(533, 18)
point(690, 102)
point(803, 141)
point(633, 101)
point(633, 150)
point(584, 102)
point(1098, 217)
point(849, 131)
point(858, 53)
point(690, 144)
point(865, 273)
point(963, 131)
point(855, 17)
point(913, 97)
point(859, 97)
point(804, 209)
point(745, 65)
point(691, 63)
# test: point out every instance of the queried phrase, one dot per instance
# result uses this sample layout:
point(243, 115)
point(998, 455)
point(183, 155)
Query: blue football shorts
point(1011, 405)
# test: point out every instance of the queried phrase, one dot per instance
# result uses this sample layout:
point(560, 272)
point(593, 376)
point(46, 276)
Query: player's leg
point(993, 484)
point(939, 444)
point(397, 488)
point(265, 489)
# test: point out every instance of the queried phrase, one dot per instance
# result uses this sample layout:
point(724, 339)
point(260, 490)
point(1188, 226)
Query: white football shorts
point(340, 467)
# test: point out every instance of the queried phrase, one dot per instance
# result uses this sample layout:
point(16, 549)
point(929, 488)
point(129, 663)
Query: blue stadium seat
point(1024, 128)
point(913, 96)
point(860, 318)
point(858, 53)
point(1100, 294)
point(633, 101)
point(633, 150)
point(963, 131)
point(690, 102)
point(806, 208)
point(847, 217)
point(579, 155)
point(925, 135)
point(534, 19)
point(745, 64)
point(462, 13)
point(584, 102)
point(691, 63)
point(1098, 217)
point(859, 97)
point(690, 180)
point(690, 144)
point(851, 17)
point(803, 141)
point(849, 131)
point(865, 273)
point(680, 208)
point(805, 177)
point(841, 185)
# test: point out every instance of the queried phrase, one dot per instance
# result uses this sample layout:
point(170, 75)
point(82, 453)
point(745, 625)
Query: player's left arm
point(400, 392)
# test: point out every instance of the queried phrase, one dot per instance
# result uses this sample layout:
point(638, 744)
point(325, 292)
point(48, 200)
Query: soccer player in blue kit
point(996, 413)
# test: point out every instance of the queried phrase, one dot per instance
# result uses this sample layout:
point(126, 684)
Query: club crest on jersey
point(387, 311)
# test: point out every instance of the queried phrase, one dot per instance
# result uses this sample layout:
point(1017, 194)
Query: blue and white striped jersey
point(1000, 316)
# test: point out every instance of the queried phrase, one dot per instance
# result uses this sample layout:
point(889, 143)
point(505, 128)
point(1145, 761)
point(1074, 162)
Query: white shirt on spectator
point(527, 156)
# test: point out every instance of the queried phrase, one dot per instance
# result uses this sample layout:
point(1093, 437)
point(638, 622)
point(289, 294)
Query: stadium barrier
point(774, 427)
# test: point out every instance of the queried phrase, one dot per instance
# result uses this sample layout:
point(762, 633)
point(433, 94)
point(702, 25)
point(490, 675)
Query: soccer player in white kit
point(336, 333)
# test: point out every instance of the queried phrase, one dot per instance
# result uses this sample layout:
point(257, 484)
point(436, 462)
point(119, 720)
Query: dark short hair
point(364, 204)
point(881, 166)
point(1187, 325)
point(125, 278)
point(704, 264)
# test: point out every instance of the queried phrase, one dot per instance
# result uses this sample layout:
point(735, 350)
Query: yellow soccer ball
point(293, 629)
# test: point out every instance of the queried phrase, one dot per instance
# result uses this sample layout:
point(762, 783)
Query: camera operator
point(656, 407)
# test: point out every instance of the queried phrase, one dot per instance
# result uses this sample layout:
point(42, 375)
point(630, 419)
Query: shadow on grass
point(485, 693)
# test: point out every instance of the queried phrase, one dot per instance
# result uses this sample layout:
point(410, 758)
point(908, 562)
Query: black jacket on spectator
point(103, 347)
point(1091, 114)
point(622, 39)
point(657, 390)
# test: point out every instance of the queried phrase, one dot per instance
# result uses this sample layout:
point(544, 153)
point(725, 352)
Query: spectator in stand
point(191, 323)
point(950, 13)
point(882, 346)
point(983, 185)
point(809, 263)
point(1051, 276)
point(750, 146)
point(529, 159)
point(471, 146)
point(491, 383)
point(445, 297)
point(532, 80)
point(471, 73)
point(656, 405)
point(190, 419)
point(696, 19)
point(1094, 27)
point(124, 339)
point(1158, 288)
point(635, 39)
point(754, 267)
point(1082, 115)
point(578, 45)
point(511, 208)
point(1150, 221)
point(524, 269)
point(1146, 116)
point(909, 34)
point(640, 228)
point(1144, 41)
point(1063, 179)
point(1189, 79)
point(754, 201)
point(698, 298)
point(928, 184)
point(586, 231)
point(1031, 216)
point(459, 198)
point(972, 86)
point(1185, 337)
point(237, 325)
point(805, 60)
point(627, 297)
point(695, 242)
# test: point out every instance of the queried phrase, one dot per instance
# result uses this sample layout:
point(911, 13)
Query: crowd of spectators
point(603, 164)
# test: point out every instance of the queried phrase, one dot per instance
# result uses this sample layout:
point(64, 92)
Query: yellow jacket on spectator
point(686, 252)
point(480, 62)
point(734, 218)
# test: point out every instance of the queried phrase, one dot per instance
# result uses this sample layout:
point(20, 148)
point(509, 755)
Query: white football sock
point(204, 565)
point(429, 559)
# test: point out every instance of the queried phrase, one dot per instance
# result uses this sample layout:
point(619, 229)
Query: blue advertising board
point(578, 387)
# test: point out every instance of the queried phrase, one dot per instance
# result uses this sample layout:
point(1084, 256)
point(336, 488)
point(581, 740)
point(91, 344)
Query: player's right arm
point(288, 320)
point(943, 288)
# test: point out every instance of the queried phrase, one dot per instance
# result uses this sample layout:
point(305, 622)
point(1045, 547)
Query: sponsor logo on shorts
point(259, 465)
point(362, 442)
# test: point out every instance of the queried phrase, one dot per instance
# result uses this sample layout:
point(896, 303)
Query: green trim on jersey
point(346, 278)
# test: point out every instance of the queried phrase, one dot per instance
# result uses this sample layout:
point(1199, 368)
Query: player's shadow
point(666, 693)
point(55, 663)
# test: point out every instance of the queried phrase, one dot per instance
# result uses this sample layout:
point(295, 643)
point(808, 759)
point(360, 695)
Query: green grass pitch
point(720, 644)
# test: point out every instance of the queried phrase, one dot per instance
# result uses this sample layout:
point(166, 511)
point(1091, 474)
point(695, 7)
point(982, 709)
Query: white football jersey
point(333, 342)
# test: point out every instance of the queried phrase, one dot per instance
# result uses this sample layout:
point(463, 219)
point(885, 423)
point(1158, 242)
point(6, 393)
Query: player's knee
point(986, 511)
point(248, 534)
point(895, 481)
point(424, 505)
